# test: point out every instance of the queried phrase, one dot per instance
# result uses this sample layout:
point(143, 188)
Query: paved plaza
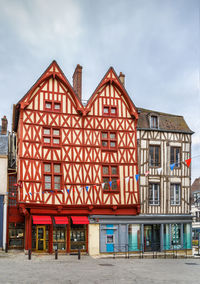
point(16, 268)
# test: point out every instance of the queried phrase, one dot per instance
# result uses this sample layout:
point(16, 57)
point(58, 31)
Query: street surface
point(16, 268)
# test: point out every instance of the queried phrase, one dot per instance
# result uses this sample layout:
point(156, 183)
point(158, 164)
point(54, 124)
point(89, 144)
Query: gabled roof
point(111, 77)
point(196, 185)
point(53, 70)
point(167, 122)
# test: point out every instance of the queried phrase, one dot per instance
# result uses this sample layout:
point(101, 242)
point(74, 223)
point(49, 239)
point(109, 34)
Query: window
point(154, 156)
point(109, 239)
point(154, 194)
point(55, 106)
point(12, 196)
point(110, 173)
point(110, 110)
point(175, 156)
point(16, 235)
point(52, 176)
point(109, 140)
point(154, 121)
point(51, 136)
point(176, 235)
point(175, 194)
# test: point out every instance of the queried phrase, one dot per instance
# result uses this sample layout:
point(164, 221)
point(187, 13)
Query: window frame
point(110, 177)
point(51, 136)
point(109, 140)
point(109, 110)
point(154, 154)
point(172, 160)
point(152, 117)
point(173, 201)
point(53, 103)
point(154, 202)
point(53, 174)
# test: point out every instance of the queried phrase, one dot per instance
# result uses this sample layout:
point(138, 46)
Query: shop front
point(143, 233)
point(62, 233)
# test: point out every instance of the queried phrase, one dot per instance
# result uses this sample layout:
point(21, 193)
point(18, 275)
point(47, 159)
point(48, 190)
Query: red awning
point(60, 220)
point(80, 219)
point(42, 220)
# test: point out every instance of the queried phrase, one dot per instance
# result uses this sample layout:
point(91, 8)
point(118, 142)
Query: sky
point(155, 43)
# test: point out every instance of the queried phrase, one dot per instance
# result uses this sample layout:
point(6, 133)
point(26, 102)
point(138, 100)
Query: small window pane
point(106, 181)
point(106, 110)
point(56, 132)
point(57, 182)
point(113, 110)
point(104, 143)
point(105, 171)
point(112, 136)
point(47, 168)
point(114, 170)
point(114, 184)
point(46, 131)
point(48, 105)
point(113, 144)
point(57, 106)
point(56, 168)
point(47, 140)
point(110, 239)
point(105, 135)
point(47, 180)
point(56, 141)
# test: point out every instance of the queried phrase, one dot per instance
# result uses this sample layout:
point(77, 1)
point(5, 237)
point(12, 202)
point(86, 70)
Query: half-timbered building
point(76, 164)
point(164, 144)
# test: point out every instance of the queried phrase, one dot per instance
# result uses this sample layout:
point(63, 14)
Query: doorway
point(152, 237)
point(40, 238)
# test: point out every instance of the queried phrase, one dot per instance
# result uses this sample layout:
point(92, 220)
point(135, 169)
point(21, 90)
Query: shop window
point(16, 235)
point(176, 235)
point(175, 193)
point(78, 237)
point(110, 110)
point(52, 176)
point(59, 237)
point(134, 237)
point(110, 174)
point(175, 156)
point(154, 156)
point(109, 140)
point(154, 194)
point(154, 122)
point(51, 136)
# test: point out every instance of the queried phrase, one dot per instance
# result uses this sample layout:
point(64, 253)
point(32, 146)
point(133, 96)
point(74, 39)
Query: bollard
point(79, 254)
point(56, 254)
point(29, 254)
point(6, 248)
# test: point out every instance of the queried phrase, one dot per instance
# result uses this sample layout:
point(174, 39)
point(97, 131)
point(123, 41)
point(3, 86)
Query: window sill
point(109, 150)
point(111, 191)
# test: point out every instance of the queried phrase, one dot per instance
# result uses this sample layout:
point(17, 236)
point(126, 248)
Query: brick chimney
point(77, 81)
point(4, 125)
point(122, 78)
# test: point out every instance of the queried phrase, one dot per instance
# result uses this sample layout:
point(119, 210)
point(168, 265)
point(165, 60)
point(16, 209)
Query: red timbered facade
point(73, 160)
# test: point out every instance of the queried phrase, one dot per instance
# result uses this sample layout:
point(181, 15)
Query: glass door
point(78, 237)
point(40, 238)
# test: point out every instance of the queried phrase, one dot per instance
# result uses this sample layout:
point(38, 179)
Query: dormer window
point(154, 121)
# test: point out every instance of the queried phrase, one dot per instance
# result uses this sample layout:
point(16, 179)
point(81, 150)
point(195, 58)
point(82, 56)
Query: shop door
point(152, 237)
point(147, 238)
point(40, 238)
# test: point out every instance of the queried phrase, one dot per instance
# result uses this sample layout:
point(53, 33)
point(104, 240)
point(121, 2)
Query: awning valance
point(42, 220)
point(60, 220)
point(80, 219)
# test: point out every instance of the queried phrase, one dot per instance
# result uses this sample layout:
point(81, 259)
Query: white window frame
point(173, 200)
point(153, 201)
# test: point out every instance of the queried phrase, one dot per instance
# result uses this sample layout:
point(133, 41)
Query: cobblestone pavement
point(16, 268)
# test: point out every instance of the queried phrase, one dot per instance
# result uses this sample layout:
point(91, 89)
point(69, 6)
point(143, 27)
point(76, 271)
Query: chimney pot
point(4, 125)
point(122, 78)
point(77, 81)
